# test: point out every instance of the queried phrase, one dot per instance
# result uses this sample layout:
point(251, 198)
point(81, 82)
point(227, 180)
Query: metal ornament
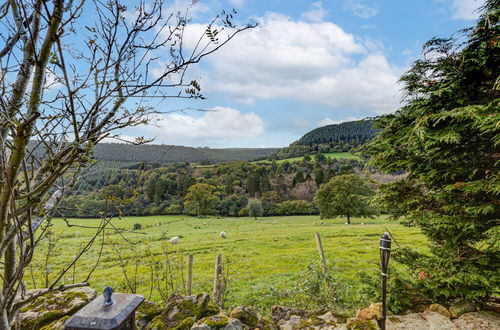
point(107, 297)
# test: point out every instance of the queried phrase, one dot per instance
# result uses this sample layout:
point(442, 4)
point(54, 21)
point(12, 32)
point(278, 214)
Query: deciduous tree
point(72, 74)
point(201, 199)
point(345, 195)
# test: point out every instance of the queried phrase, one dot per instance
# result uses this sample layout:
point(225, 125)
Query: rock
point(492, 306)
point(291, 323)
point(439, 309)
point(483, 320)
point(461, 307)
point(329, 318)
point(179, 308)
point(266, 324)
point(57, 324)
point(145, 313)
point(374, 311)
point(426, 320)
point(53, 306)
point(361, 324)
point(245, 315)
point(221, 322)
point(323, 322)
point(156, 324)
point(284, 313)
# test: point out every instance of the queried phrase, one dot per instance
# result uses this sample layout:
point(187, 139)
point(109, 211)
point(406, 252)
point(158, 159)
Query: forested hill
point(155, 153)
point(360, 130)
point(331, 138)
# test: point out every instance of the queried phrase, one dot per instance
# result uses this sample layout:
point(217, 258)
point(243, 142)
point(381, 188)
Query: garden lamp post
point(385, 253)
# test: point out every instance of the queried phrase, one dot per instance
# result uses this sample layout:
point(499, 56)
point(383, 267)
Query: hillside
point(155, 153)
point(360, 130)
point(161, 154)
point(331, 138)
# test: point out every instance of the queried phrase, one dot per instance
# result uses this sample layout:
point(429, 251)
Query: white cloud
point(329, 121)
point(310, 62)
point(316, 14)
point(237, 3)
point(219, 124)
point(360, 8)
point(465, 9)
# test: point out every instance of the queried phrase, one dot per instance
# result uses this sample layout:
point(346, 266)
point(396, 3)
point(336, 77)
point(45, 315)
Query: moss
point(157, 324)
point(186, 324)
point(56, 325)
point(42, 320)
point(245, 315)
point(266, 324)
point(210, 310)
point(147, 311)
point(186, 307)
point(360, 324)
point(216, 321)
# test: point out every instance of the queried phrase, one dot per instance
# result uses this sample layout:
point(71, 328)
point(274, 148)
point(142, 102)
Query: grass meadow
point(332, 155)
point(260, 256)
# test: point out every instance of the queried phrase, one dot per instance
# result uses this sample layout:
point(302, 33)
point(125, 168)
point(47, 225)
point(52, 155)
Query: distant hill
point(155, 153)
point(331, 138)
point(360, 130)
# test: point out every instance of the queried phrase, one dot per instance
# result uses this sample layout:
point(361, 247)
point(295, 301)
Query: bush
point(137, 226)
point(293, 207)
point(255, 208)
point(243, 212)
point(173, 209)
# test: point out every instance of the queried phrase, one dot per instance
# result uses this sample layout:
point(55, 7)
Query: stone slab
point(120, 315)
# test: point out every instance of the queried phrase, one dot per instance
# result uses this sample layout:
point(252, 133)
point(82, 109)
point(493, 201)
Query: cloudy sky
point(307, 64)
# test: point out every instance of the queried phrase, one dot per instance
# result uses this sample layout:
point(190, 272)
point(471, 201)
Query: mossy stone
point(156, 324)
point(361, 324)
point(245, 315)
point(145, 313)
point(53, 306)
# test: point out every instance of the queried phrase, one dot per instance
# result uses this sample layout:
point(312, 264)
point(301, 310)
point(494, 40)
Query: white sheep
point(174, 240)
point(223, 234)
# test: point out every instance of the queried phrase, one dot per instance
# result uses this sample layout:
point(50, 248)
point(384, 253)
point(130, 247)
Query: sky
point(306, 65)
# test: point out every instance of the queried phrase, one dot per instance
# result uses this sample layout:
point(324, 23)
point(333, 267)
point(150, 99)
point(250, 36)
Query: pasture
point(262, 256)
point(332, 155)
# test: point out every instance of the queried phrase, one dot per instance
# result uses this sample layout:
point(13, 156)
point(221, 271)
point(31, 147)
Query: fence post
point(217, 275)
point(190, 275)
point(321, 252)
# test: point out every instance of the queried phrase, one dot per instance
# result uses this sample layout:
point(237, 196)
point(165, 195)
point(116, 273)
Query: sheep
point(174, 240)
point(223, 235)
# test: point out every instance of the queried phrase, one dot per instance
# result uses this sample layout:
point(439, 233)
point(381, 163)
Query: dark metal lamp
point(385, 254)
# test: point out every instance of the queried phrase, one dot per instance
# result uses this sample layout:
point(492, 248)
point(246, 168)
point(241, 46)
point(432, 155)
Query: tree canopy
point(345, 195)
point(447, 138)
point(201, 199)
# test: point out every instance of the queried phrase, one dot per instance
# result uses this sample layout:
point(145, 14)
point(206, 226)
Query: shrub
point(293, 207)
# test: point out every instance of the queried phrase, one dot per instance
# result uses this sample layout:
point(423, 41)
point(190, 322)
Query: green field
point(333, 155)
point(263, 254)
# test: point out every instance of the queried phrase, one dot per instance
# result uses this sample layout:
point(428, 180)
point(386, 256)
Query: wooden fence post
point(321, 252)
point(190, 275)
point(217, 278)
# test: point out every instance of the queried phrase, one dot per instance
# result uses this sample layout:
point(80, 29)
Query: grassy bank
point(263, 254)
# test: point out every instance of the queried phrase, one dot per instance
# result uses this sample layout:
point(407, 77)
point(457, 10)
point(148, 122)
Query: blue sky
point(307, 64)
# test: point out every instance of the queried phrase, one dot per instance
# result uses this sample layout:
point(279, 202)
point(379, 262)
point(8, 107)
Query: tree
point(58, 101)
point(320, 158)
point(255, 208)
point(319, 175)
point(253, 183)
point(201, 199)
point(345, 195)
point(447, 139)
